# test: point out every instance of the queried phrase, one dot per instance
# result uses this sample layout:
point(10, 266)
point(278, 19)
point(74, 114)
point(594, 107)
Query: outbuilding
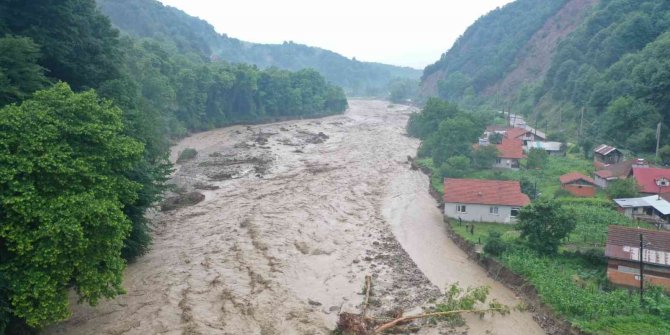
point(623, 257)
point(578, 184)
point(606, 155)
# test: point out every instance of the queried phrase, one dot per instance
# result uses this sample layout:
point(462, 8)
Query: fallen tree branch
point(404, 319)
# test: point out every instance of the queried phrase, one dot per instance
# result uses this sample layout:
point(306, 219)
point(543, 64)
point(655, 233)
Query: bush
point(561, 193)
point(187, 154)
point(494, 244)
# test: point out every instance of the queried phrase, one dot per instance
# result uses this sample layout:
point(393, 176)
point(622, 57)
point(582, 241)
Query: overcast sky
point(411, 33)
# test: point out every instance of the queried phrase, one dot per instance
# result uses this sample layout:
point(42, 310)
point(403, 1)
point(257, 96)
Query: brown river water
point(295, 215)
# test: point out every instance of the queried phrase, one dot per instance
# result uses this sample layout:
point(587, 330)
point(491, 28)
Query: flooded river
point(295, 215)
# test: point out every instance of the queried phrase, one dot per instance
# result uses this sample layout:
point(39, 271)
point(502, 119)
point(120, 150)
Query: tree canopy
point(62, 190)
point(544, 223)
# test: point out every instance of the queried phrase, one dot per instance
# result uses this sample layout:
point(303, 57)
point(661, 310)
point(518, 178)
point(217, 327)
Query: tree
point(401, 89)
point(664, 154)
point(623, 188)
point(79, 45)
point(537, 158)
point(62, 192)
point(529, 187)
point(544, 223)
point(455, 167)
point(495, 138)
point(20, 75)
point(484, 157)
point(454, 137)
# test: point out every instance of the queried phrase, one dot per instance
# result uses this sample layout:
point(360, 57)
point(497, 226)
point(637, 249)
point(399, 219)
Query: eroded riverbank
point(295, 215)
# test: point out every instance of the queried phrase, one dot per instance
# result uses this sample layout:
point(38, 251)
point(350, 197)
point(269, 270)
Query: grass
point(482, 230)
point(546, 178)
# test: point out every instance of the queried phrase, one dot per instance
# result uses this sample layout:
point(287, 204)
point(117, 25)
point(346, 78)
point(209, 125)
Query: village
point(620, 206)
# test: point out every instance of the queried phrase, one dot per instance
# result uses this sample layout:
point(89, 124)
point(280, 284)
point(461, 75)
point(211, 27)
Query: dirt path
point(295, 215)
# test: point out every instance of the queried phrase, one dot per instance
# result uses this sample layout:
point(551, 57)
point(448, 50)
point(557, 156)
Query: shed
point(606, 154)
point(578, 184)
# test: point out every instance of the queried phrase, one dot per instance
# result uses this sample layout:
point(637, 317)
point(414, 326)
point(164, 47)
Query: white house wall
point(506, 163)
point(479, 213)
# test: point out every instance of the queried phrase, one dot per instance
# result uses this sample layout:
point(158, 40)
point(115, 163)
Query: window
point(460, 208)
point(493, 210)
point(498, 161)
point(515, 212)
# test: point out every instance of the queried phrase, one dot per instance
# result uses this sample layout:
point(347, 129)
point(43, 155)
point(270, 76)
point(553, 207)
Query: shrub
point(494, 244)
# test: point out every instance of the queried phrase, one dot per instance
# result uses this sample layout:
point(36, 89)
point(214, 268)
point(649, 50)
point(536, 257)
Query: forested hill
point(552, 60)
point(86, 118)
point(150, 18)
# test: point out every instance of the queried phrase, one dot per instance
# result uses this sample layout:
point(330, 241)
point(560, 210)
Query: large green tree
point(63, 159)
point(544, 223)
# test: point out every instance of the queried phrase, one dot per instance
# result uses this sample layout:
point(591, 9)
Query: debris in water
point(182, 200)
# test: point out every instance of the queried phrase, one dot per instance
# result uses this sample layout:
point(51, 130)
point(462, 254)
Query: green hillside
point(149, 18)
point(608, 59)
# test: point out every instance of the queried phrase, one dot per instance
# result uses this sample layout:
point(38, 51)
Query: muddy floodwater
point(295, 214)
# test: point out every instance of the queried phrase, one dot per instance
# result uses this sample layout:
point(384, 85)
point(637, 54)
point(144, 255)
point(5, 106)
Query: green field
point(574, 284)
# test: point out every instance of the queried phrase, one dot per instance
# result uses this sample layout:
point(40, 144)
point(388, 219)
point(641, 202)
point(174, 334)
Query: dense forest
point(86, 118)
point(612, 69)
point(149, 18)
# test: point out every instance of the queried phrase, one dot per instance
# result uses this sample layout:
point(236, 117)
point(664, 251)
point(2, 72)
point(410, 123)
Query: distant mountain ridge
point(150, 18)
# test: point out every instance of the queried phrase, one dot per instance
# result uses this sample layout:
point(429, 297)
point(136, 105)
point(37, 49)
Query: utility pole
point(581, 123)
point(641, 270)
point(658, 138)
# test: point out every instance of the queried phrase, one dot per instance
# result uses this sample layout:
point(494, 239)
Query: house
point(552, 148)
point(623, 257)
point(517, 121)
point(483, 200)
point(578, 184)
point(523, 134)
point(510, 151)
point(652, 180)
point(606, 155)
point(651, 208)
point(622, 170)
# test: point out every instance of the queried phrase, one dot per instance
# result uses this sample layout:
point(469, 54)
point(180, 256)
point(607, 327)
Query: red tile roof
point(485, 192)
point(618, 170)
point(647, 177)
point(510, 148)
point(575, 176)
point(624, 243)
point(515, 132)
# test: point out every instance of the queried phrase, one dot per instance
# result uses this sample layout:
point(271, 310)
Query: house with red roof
point(510, 151)
point(525, 135)
point(652, 180)
point(478, 200)
point(578, 184)
point(623, 257)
